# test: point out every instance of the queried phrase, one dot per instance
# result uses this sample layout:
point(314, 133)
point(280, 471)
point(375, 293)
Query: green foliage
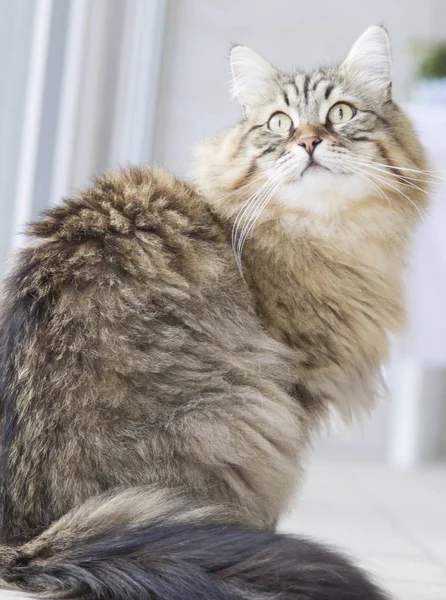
point(432, 64)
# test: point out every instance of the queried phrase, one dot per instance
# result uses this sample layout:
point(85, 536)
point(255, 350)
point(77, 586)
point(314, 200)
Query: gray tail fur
point(169, 559)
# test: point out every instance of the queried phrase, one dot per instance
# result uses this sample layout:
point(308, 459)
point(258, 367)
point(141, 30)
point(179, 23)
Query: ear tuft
point(370, 59)
point(251, 74)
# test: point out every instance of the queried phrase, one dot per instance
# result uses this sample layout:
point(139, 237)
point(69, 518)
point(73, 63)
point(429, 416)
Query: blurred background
point(88, 85)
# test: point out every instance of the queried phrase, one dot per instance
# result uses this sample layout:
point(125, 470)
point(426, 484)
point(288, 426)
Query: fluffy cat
point(158, 392)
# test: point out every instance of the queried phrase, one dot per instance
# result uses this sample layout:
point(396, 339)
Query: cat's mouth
point(313, 166)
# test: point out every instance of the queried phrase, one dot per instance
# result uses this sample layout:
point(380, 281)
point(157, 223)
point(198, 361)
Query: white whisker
point(253, 207)
point(410, 170)
point(246, 206)
point(250, 226)
point(420, 172)
point(402, 178)
point(242, 187)
point(363, 176)
point(377, 170)
point(373, 176)
point(257, 199)
point(257, 211)
point(385, 182)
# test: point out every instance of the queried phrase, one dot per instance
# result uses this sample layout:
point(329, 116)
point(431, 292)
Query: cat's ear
point(370, 60)
point(251, 75)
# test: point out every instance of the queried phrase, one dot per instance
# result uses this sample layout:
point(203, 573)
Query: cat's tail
point(147, 545)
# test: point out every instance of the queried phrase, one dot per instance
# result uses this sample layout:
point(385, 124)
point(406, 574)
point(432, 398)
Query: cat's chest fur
point(334, 305)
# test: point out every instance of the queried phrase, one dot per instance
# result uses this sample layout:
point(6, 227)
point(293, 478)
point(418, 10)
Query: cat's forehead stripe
point(302, 89)
point(316, 83)
point(328, 91)
point(292, 91)
point(305, 87)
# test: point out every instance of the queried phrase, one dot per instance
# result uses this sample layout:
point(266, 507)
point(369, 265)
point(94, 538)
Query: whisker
point(380, 179)
point(363, 176)
point(432, 174)
point(255, 217)
point(274, 175)
point(245, 208)
point(401, 179)
point(386, 183)
point(257, 210)
point(264, 174)
point(238, 233)
point(274, 164)
point(252, 209)
point(280, 179)
point(411, 170)
point(258, 197)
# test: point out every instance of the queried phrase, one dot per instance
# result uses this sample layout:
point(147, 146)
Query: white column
point(16, 26)
point(62, 174)
point(137, 90)
point(405, 444)
point(32, 117)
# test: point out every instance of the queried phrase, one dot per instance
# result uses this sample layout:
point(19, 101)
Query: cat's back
point(133, 221)
point(139, 253)
point(125, 311)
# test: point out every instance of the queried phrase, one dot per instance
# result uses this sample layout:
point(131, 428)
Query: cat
point(168, 348)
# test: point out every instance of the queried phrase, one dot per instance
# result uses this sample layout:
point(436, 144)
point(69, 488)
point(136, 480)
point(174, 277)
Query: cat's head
point(314, 144)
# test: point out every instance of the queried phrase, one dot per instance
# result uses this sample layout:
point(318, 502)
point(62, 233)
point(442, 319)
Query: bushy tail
point(101, 551)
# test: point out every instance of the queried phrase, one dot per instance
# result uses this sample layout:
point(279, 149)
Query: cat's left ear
point(251, 76)
point(370, 60)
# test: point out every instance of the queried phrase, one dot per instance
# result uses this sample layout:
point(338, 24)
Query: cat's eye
point(280, 123)
point(340, 113)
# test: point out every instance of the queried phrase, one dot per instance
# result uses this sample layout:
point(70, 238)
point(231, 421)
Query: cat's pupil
point(341, 113)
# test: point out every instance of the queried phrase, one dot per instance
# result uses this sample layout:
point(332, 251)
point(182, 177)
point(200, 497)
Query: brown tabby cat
point(164, 391)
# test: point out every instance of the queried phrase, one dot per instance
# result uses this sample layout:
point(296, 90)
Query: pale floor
point(394, 524)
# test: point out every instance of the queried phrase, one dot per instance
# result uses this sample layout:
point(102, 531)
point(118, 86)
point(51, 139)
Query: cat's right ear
point(370, 60)
point(251, 76)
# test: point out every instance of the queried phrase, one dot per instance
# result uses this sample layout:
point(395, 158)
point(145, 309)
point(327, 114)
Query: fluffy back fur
point(161, 401)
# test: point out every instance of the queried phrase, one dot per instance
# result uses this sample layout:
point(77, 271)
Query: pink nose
point(309, 143)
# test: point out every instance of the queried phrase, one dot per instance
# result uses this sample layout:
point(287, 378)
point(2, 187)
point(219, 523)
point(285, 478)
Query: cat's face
point(315, 144)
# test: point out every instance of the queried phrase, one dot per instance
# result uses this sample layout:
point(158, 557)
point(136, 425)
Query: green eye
point(340, 113)
point(280, 123)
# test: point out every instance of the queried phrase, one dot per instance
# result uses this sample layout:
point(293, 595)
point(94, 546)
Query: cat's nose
point(309, 143)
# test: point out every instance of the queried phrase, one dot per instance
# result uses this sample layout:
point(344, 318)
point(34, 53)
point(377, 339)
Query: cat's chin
point(323, 192)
